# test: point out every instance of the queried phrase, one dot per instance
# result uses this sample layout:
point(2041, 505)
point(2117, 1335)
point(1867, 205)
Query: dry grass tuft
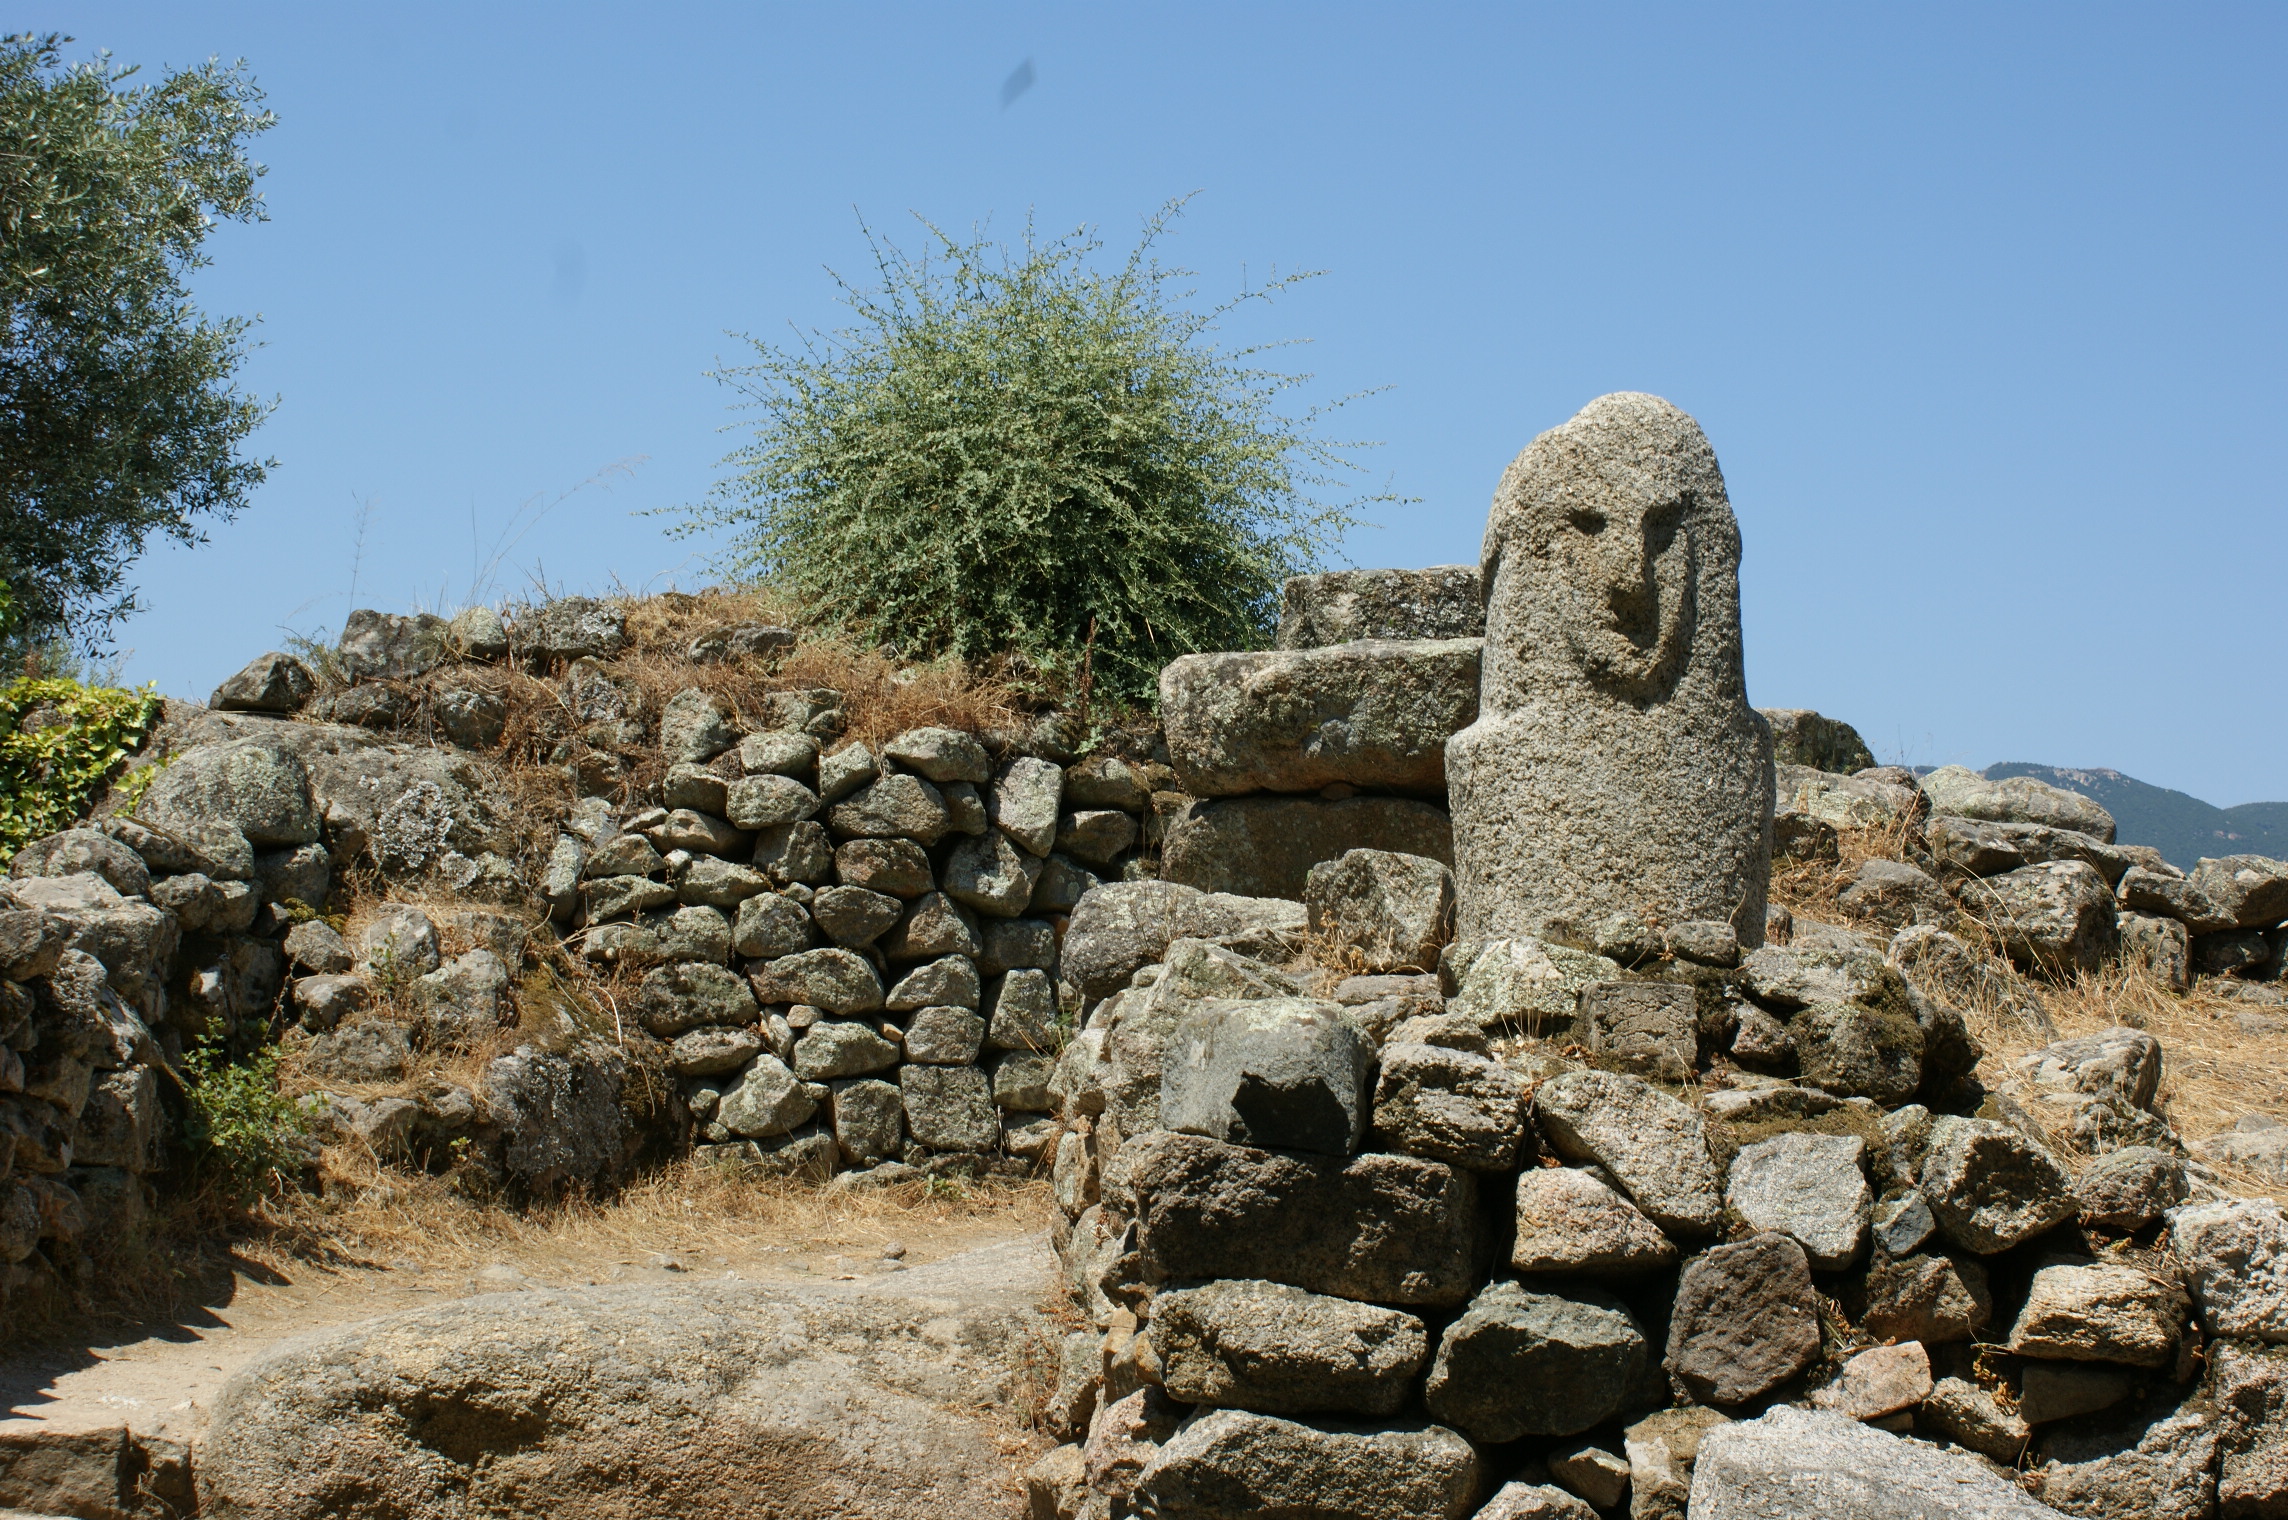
point(373, 1214)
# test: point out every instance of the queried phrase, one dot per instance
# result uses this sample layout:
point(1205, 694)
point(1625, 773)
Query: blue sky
point(1981, 305)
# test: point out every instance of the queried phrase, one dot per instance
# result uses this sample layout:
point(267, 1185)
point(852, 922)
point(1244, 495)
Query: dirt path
point(160, 1380)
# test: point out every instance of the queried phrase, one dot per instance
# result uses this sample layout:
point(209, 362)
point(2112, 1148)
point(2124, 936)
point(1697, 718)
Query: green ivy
point(50, 772)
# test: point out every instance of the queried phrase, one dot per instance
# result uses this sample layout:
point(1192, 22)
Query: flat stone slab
point(1441, 602)
point(1798, 1462)
point(1374, 713)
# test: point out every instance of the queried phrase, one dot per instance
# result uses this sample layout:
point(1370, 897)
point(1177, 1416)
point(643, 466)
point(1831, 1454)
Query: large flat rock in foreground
point(700, 1400)
point(1370, 713)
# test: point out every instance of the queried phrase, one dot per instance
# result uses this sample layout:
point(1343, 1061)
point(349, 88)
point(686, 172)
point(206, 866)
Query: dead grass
point(373, 1214)
point(2214, 1069)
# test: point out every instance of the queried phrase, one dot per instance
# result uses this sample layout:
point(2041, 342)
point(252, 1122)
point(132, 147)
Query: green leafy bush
point(244, 1134)
point(1021, 451)
point(59, 743)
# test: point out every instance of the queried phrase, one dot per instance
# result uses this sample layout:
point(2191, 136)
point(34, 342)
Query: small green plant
point(59, 743)
point(1017, 450)
point(244, 1134)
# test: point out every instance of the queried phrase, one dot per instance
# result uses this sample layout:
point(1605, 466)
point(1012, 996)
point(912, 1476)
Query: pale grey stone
point(1892, 894)
point(1615, 765)
point(1021, 1082)
point(869, 1120)
point(1810, 1187)
point(2262, 1148)
point(709, 1052)
point(1974, 847)
point(316, 946)
point(837, 980)
point(1808, 1462)
point(1655, 1147)
point(2058, 916)
point(894, 807)
point(1098, 836)
point(260, 790)
point(1025, 802)
point(697, 833)
point(895, 867)
point(991, 874)
point(949, 1108)
point(794, 852)
point(694, 787)
point(2131, 1188)
point(1527, 984)
point(719, 883)
point(740, 642)
point(1845, 802)
point(269, 683)
point(1569, 1222)
point(1266, 846)
point(570, 628)
point(1374, 713)
point(695, 727)
point(770, 926)
point(1455, 1106)
point(2146, 1462)
point(2172, 895)
point(1522, 1362)
point(2249, 891)
point(624, 855)
point(1206, 1209)
point(761, 802)
point(1023, 1004)
point(1990, 1187)
point(951, 980)
point(2234, 1257)
point(854, 916)
point(688, 994)
point(1062, 885)
point(1234, 1464)
point(775, 752)
point(2120, 1062)
point(845, 771)
point(934, 925)
point(1278, 1349)
point(1015, 944)
point(1855, 1051)
point(1705, 943)
point(2100, 1312)
point(77, 851)
point(1970, 1416)
point(1393, 910)
point(1339, 606)
point(1599, 1476)
point(766, 1099)
point(2016, 799)
point(941, 754)
point(834, 1048)
point(945, 1036)
point(401, 939)
point(1803, 737)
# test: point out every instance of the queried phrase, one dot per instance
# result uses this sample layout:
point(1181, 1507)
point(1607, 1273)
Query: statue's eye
point(1589, 521)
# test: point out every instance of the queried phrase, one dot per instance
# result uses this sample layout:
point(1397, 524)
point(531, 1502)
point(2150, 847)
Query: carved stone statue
point(1615, 766)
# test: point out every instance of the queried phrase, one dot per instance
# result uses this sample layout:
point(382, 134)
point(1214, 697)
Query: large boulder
point(1615, 765)
point(558, 1117)
point(1380, 1228)
point(1449, 1105)
point(386, 646)
point(1991, 1188)
point(1266, 846)
point(1803, 1462)
point(260, 790)
point(1810, 1187)
point(1374, 713)
point(1234, 1465)
point(1118, 928)
point(1441, 602)
point(1975, 847)
point(888, 1398)
point(2015, 799)
point(269, 683)
point(1847, 802)
point(1526, 985)
point(2250, 890)
point(2234, 1257)
point(2058, 916)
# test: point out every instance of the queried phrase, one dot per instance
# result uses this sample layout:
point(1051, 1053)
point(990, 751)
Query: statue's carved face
point(1628, 564)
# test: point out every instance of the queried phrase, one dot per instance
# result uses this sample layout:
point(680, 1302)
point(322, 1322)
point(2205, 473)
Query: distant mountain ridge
point(2182, 827)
